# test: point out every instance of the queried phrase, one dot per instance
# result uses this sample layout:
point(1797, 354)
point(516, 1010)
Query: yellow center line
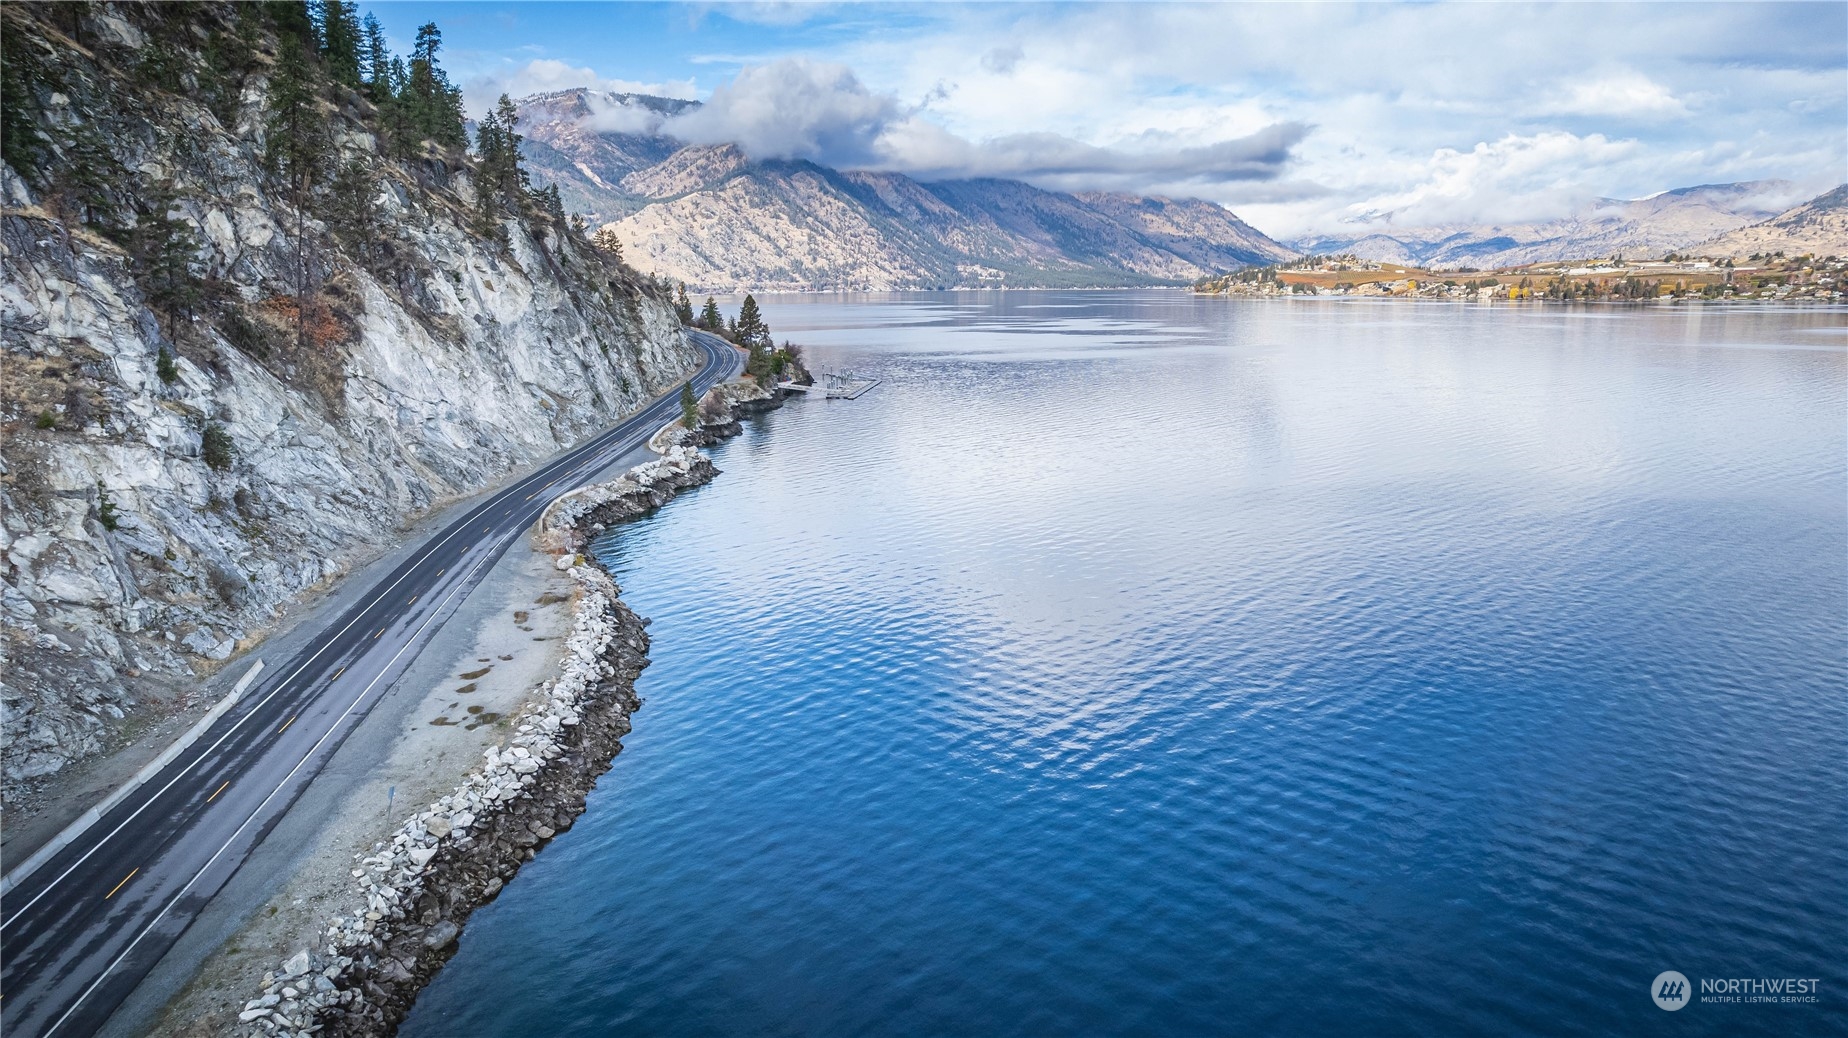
point(413, 600)
point(339, 672)
point(442, 571)
point(376, 636)
point(118, 886)
point(286, 724)
point(217, 791)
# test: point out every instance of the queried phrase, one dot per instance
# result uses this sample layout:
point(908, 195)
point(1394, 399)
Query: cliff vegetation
point(262, 304)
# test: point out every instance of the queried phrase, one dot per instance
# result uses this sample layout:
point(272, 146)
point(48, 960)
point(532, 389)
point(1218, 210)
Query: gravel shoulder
point(420, 740)
point(414, 747)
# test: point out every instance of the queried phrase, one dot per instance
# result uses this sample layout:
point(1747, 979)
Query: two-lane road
point(81, 930)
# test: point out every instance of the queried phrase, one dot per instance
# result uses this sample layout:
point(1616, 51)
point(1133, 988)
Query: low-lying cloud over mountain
point(821, 112)
point(765, 210)
point(1818, 226)
point(1665, 222)
point(1305, 118)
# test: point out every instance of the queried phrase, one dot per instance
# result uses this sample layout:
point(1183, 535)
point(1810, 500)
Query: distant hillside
point(711, 217)
point(587, 165)
point(1818, 226)
point(1668, 222)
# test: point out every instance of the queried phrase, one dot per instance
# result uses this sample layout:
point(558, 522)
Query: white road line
point(316, 748)
point(281, 685)
point(458, 585)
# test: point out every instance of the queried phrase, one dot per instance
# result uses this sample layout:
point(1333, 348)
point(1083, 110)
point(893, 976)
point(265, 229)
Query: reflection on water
point(1130, 663)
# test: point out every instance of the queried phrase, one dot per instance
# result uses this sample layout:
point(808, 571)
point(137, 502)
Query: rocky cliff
point(221, 387)
point(716, 219)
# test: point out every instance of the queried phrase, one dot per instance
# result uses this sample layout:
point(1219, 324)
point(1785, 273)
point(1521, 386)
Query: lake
point(1130, 663)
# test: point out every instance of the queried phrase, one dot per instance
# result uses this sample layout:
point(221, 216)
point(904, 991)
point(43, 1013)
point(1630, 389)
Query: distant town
point(1674, 277)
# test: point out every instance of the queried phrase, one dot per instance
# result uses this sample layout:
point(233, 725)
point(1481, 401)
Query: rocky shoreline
point(415, 892)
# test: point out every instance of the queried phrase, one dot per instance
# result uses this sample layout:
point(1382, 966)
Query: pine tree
point(752, 332)
point(350, 213)
point(20, 141)
point(400, 131)
point(683, 307)
point(376, 57)
point(500, 182)
point(550, 203)
point(433, 105)
point(292, 21)
point(509, 176)
point(300, 149)
point(709, 317)
point(607, 242)
point(339, 33)
point(92, 173)
point(689, 407)
point(216, 447)
point(298, 138)
point(163, 248)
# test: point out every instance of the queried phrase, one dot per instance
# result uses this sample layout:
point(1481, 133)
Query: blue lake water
point(1137, 664)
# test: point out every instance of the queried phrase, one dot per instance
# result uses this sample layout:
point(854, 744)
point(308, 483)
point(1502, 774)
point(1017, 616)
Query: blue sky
point(1301, 118)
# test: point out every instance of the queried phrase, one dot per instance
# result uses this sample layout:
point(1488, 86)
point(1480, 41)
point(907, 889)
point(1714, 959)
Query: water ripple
point(1135, 664)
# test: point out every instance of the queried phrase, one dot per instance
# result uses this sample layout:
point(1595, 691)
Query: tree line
point(766, 360)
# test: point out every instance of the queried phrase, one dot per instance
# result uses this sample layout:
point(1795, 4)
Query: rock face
point(174, 474)
point(413, 895)
point(1647, 227)
point(1818, 226)
point(715, 219)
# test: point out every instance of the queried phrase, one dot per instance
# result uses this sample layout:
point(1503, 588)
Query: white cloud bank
point(1301, 117)
point(800, 109)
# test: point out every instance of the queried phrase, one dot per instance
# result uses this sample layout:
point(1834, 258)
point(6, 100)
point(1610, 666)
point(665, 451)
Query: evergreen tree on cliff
point(290, 18)
point(607, 242)
point(299, 152)
point(497, 144)
point(433, 105)
point(709, 317)
point(162, 248)
point(752, 332)
point(378, 61)
point(683, 307)
point(340, 36)
point(689, 407)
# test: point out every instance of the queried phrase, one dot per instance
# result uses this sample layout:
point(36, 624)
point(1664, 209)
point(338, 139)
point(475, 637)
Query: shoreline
point(359, 971)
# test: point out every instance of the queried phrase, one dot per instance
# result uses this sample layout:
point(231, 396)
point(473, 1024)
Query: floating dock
point(835, 385)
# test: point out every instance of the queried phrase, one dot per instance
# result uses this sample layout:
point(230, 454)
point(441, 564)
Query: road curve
point(80, 932)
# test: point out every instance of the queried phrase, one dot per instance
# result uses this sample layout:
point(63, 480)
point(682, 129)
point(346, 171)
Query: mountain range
point(711, 216)
point(1665, 222)
point(1818, 226)
point(716, 219)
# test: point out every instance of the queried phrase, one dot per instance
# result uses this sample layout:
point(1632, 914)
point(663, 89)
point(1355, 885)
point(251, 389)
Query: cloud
point(1444, 112)
point(1002, 60)
point(801, 109)
point(793, 109)
point(1626, 95)
point(1473, 113)
point(546, 75)
point(609, 114)
point(1539, 177)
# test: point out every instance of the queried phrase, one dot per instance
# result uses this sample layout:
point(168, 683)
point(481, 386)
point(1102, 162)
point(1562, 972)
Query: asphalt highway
point(78, 933)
